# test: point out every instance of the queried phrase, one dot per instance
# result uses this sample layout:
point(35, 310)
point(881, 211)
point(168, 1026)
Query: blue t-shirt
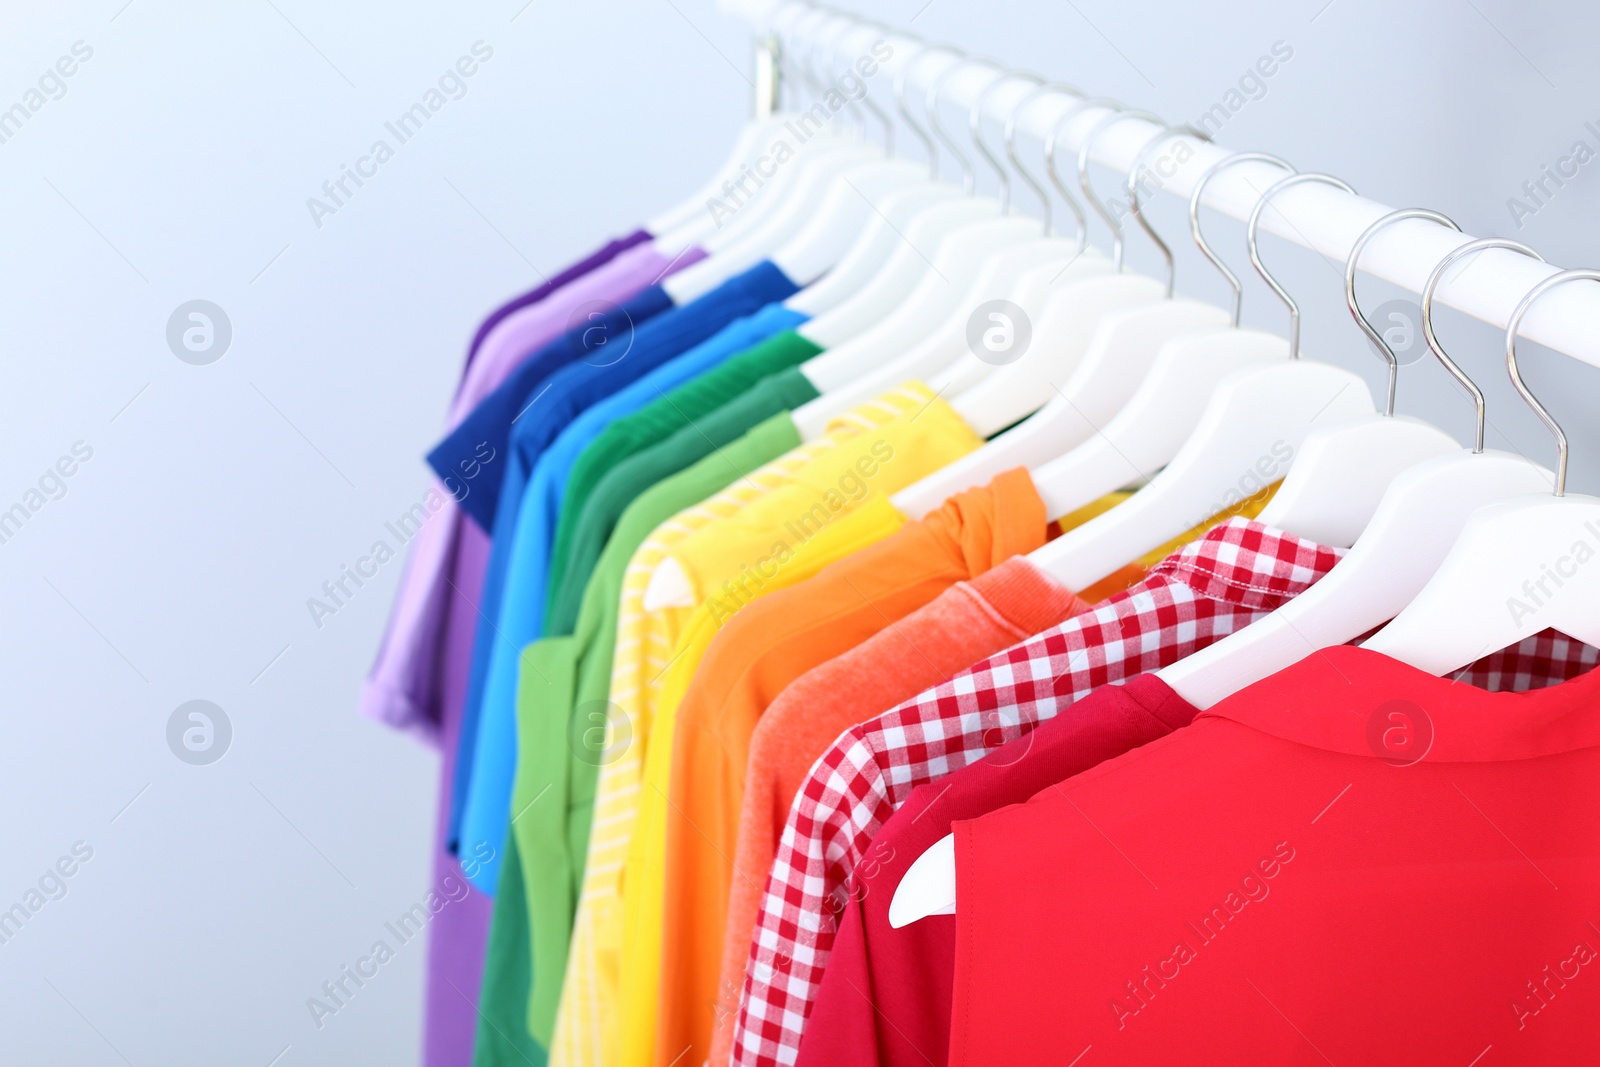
point(486, 814)
point(559, 400)
point(471, 458)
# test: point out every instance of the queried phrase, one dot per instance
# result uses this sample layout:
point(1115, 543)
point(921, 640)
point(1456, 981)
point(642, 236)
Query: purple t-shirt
point(600, 258)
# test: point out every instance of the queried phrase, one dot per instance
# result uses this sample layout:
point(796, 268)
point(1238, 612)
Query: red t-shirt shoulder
point(1349, 862)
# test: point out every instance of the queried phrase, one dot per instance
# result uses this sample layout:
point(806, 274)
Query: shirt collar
point(1249, 564)
point(1357, 702)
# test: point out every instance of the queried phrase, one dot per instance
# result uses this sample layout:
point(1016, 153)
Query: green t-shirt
point(618, 488)
point(562, 680)
point(640, 434)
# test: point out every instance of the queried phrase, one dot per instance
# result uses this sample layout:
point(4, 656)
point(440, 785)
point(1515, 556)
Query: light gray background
point(220, 497)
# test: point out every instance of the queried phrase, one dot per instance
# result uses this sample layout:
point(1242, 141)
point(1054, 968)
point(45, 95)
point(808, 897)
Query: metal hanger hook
point(1252, 232)
point(1469, 249)
point(900, 79)
point(1512, 329)
point(1010, 136)
point(969, 181)
point(1072, 112)
point(803, 41)
point(858, 25)
point(781, 29)
point(1194, 217)
point(1165, 134)
point(826, 40)
point(975, 128)
point(1104, 123)
point(1350, 288)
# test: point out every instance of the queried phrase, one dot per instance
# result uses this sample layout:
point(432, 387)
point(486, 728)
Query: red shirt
point(885, 997)
point(1274, 884)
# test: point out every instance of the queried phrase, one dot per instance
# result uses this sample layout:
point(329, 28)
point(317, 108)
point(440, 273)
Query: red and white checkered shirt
point(1238, 572)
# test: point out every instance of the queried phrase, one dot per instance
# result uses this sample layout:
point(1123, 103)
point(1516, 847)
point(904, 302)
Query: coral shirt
point(965, 623)
point(1273, 884)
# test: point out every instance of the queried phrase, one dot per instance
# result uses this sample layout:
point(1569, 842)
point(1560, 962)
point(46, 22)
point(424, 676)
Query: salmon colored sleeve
point(963, 625)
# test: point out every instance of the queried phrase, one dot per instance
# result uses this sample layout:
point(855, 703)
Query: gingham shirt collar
point(1237, 572)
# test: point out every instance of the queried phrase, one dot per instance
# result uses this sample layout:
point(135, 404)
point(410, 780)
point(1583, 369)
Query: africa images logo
point(1400, 733)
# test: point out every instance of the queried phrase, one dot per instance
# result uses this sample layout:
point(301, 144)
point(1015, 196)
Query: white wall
point(177, 165)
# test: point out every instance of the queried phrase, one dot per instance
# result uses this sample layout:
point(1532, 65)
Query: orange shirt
point(961, 626)
point(759, 652)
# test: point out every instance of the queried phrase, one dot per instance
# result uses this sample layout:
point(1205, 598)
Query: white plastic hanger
point(1335, 483)
point(795, 199)
point(837, 223)
point(983, 254)
point(1255, 423)
point(1148, 431)
point(688, 222)
point(1022, 275)
point(1520, 566)
point(754, 194)
point(1069, 304)
point(1074, 461)
point(679, 227)
point(1410, 532)
point(1120, 354)
point(884, 234)
point(789, 205)
point(923, 350)
point(909, 265)
point(1060, 292)
point(1010, 243)
point(1342, 471)
point(907, 268)
point(1065, 299)
point(885, 231)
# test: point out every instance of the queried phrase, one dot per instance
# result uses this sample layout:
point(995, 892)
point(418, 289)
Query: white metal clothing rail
point(1316, 216)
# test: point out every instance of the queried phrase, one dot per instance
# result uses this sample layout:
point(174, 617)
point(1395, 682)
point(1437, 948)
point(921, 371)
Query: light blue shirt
point(487, 813)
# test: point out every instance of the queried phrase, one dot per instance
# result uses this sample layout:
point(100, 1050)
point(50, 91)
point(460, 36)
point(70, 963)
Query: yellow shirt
point(731, 563)
point(590, 1021)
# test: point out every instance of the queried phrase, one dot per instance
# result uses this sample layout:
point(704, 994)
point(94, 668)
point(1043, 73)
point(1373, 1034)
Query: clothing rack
point(1315, 216)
